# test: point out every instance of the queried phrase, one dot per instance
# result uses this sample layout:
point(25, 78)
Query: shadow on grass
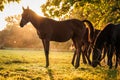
point(14, 61)
point(111, 74)
point(1, 68)
point(50, 74)
point(85, 69)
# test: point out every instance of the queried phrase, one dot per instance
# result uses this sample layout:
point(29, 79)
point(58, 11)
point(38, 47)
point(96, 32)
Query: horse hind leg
point(78, 53)
point(88, 54)
point(74, 55)
point(83, 54)
point(84, 59)
point(117, 57)
point(110, 55)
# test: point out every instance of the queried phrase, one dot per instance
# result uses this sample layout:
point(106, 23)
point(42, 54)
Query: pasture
point(30, 65)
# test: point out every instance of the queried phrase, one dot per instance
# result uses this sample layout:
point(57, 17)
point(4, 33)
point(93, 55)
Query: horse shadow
point(50, 74)
point(109, 74)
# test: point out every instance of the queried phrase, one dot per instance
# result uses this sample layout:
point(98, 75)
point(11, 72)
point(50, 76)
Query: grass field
point(29, 65)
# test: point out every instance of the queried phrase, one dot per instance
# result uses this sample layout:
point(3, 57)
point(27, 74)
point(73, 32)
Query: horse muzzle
point(95, 63)
point(21, 25)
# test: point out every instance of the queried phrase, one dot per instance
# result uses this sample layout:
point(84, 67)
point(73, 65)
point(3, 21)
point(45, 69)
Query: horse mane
point(90, 29)
point(32, 12)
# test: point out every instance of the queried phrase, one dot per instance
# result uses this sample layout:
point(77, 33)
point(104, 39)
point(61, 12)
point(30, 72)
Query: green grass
point(29, 65)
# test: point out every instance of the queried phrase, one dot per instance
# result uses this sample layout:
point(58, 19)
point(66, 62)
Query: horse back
point(67, 29)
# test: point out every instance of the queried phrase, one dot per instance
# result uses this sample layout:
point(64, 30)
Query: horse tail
point(91, 30)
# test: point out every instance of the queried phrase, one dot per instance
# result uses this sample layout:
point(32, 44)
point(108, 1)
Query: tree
point(99, 12)
point(3, 2)
point(55, 8)
point(14, 36)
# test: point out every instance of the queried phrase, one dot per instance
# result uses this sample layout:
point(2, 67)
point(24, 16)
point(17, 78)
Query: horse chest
point(41, 35)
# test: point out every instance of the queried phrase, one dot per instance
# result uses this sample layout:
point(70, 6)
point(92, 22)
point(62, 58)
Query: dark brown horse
point(111, 37)
point(59, 31)
point(88, 38)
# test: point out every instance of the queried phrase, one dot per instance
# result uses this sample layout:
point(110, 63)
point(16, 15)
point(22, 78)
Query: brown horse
point(59, 31)
point(88, 38)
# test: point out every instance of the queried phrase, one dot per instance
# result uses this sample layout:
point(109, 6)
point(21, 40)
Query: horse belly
point(63, 37)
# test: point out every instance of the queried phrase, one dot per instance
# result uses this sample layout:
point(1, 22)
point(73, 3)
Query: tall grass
point(29, 65)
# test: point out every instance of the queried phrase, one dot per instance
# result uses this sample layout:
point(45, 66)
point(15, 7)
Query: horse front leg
point(110, 55)
point(117, 57)
point(74, 55)
point(46, 50)
point(78, 53)
point(83, 48)
point(73, 59)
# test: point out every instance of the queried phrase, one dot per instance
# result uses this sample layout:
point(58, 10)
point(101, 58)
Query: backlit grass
point(29, 65)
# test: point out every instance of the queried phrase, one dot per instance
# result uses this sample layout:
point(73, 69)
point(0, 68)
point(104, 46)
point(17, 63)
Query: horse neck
point(35, 20)
point(99, 42)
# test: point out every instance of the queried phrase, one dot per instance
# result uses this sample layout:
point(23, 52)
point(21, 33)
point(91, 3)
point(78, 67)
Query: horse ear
point(23, 8)
point(27, 7)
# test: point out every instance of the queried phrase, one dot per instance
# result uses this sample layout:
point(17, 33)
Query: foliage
point(99, 12)
point(3, 2)
point(55, 8)
point(32, 62)
point(14, 36)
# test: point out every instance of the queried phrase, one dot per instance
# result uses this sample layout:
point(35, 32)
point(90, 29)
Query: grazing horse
point(111, 37)
point(88, 38)
point(59, 31)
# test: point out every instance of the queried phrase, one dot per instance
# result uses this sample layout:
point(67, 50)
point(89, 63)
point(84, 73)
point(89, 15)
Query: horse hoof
point(99, 64)
point(84, 62)
point(72, 64)
point(110, 67)
point(90, 63)
point(115, 67)
point(76, 67)
point(46, 66)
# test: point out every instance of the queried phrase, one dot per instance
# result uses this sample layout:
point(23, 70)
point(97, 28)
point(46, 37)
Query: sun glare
point(14, 8)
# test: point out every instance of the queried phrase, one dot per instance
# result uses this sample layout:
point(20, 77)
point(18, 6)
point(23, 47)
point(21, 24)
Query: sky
point(15, 8)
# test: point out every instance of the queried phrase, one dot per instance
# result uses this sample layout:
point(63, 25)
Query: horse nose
point(21, 25)
point(93, 64)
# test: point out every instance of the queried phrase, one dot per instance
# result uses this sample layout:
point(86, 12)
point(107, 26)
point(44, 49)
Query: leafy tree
point(3, 2)
point(55, 8)
point(99, 12)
